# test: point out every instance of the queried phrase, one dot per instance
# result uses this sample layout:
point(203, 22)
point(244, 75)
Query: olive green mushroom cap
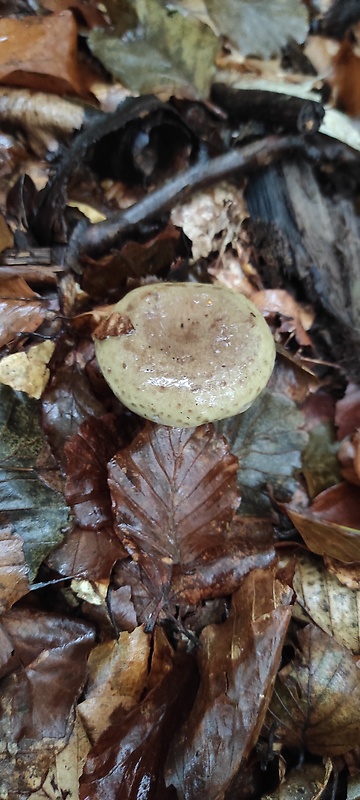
point(182, 354)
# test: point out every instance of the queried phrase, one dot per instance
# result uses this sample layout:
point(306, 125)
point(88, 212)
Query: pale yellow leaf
point(28, 372)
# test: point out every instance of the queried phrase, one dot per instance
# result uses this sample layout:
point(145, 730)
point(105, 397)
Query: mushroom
point(182, 354)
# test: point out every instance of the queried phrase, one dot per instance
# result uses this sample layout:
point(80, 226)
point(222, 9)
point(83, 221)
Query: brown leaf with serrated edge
point(238, 661)
point(40, 52)
point(127, 761)
point(248, 543)
point(37, 699)
point(316, 700)
point(174, 497)
point(14, 572)
point(331, 525)
point(21, 310)
point(87, 454)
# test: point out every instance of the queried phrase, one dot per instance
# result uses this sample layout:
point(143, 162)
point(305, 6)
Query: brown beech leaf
point(14, 572)
point(174, 496)
point(66, 403)
point(248, 543)
point(87, 454)
point(238, 661)
point(127, 761)
point(40, 52)
point(331, 525)
point(21, 309)
point(87, 553)
point(37, 698)
point(316, 700)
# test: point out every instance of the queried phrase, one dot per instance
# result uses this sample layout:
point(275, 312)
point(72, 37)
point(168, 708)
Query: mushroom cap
point(183, 354)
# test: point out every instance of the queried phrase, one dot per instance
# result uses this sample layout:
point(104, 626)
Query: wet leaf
point(335, 608)
point(117, 674)
point(37, 699)
point(331, 525)
point(87, 553)
point(247, 544)
point(87, 454)
point(259, 28)
point(238, 661)
point(67, 402)
point(316, 700)
point(167, 50)
point(32, 510)
point(40, 52)
point(21, 309)
point(174, 496)
point(127, 760)
point(268, 440)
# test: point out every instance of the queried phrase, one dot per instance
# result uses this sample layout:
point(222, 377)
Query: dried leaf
point(316, 700)
point(28, 372)
point(37, 699)
point(40, 52)
point(174, 496)
point(259, 28)
point(296, 318)
point(32, 510)
point(331, 526)
point(134, 260)
point(320, 465)
point(238, 662)
point(168, 50)
point(206, 215)
point(62, 780)
point(332, 606)
point(268, 440)
point(308, 781)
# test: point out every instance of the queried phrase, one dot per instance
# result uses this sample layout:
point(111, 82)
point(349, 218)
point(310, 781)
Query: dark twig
point(100, 237)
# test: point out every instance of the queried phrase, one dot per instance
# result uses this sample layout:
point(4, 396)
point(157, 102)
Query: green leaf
point(169, 49)
point(268, 440)
point(34, 512)
point(260, 27)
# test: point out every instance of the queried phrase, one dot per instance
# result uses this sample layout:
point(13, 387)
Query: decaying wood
point(311, 239)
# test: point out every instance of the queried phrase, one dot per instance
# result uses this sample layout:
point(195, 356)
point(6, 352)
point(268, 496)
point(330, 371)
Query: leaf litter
point(155, 582)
